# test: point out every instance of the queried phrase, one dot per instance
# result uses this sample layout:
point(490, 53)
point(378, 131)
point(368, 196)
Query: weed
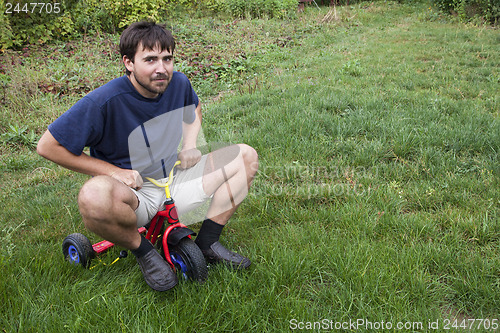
point(352, 67)
point(17, 134)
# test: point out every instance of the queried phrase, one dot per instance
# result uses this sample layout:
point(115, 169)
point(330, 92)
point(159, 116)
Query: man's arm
point(189, 154)
point(52, 150)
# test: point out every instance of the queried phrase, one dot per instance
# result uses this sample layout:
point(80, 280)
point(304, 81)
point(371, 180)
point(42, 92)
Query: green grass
point(377, 198)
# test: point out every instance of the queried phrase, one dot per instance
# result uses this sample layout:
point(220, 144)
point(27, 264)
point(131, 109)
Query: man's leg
point(228, 175)
point(108, 208)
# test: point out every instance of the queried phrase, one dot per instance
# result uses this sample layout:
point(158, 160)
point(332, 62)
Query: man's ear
point(129, 64)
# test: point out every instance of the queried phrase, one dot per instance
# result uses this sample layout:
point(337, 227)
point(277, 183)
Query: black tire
point(188, 258)
point(77, 249)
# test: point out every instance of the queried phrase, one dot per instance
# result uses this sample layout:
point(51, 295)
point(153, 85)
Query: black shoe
point(218, 253)
point(157, 272)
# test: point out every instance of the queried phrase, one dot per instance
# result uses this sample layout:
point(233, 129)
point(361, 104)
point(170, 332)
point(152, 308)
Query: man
point(133, 126)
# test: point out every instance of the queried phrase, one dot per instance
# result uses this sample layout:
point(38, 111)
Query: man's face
point(151, 70)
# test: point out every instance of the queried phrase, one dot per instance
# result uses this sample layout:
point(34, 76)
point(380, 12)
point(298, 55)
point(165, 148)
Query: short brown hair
point(149, 34)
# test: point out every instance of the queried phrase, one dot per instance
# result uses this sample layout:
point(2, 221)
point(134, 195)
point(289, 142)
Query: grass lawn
point(377, 198)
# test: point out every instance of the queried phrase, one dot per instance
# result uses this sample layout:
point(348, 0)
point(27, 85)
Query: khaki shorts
point(186, 189)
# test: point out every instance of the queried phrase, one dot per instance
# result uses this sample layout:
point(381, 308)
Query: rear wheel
point(77, 249)
point(188, 258)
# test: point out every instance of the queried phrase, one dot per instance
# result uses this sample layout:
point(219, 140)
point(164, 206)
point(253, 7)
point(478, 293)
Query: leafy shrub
point(215, 6)
point(5, 32)
point(25, 24)
point(253, 8)
point(112, 16)
point(30, 22)
point(467, 10)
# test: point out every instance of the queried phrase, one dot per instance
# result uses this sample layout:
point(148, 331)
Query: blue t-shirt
point(122, 127)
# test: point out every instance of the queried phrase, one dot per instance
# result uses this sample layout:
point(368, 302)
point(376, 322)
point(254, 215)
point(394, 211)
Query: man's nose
point(161, 68)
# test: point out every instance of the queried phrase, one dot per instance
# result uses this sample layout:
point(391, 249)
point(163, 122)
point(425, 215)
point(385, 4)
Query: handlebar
point(167, 184)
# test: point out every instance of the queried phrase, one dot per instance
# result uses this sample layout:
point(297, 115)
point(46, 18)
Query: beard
point(154, 85)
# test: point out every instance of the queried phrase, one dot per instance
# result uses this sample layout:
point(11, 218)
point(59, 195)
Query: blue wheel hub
point(73, 254)
point(177, 260)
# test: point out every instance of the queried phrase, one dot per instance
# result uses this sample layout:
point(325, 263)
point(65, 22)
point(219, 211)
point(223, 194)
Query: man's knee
point(95, 198)
point(250, 157)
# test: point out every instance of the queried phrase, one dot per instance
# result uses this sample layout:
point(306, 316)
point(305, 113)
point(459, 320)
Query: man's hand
point(189, 158)
point(131, 178)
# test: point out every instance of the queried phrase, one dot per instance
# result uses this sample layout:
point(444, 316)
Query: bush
point(468, 10)
point(113, 16)
point(29, 22)
point(22, 23)
point(253, 8)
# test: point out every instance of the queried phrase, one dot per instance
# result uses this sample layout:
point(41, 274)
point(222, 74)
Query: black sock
point(209, 233)
point(144, 248)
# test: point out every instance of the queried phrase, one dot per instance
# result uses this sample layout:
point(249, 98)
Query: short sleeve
point(78, 127)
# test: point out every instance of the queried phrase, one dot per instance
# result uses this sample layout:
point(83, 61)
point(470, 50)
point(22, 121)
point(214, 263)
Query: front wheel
point(77, 249)
point(188, 258)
